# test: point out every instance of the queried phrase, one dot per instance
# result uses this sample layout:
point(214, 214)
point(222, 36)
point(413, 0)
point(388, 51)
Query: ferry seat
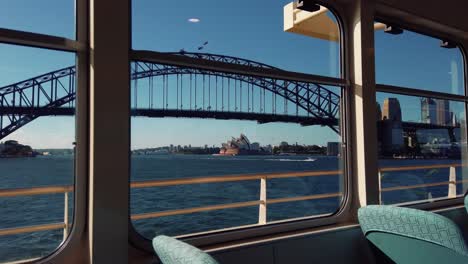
point(173, 251)
point(407, 235)
point(466, 202)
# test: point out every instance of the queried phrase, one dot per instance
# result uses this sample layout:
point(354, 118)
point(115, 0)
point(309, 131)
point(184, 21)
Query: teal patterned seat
point(173, 251)
point(408, 235)
point(466, 202)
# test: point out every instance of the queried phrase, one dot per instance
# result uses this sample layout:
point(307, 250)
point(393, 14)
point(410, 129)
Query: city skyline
point(433, 111)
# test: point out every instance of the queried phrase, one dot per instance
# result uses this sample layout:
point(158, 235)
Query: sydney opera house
point(242, 146)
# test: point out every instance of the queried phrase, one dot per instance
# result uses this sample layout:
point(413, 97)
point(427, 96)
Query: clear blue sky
point(247, 29)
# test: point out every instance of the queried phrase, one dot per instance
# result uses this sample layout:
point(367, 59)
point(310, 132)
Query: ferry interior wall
point(247, 131)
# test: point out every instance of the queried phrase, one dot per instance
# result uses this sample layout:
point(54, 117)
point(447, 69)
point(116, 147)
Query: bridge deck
point(178, 113)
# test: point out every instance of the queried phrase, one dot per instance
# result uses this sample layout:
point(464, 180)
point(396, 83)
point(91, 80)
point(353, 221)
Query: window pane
point(36, 149)
point(203, 143)
point(418, 61)
point(422, 147)
point(51, 17)
point(269, 32)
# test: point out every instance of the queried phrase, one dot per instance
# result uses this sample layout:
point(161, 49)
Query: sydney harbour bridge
point(161, 90)
point(164, 90)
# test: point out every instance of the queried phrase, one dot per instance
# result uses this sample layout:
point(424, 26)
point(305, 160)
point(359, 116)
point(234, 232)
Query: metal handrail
point(229, 178)
point(35, 191)
point(452, 180)
point(420, 167)
point(262, 202)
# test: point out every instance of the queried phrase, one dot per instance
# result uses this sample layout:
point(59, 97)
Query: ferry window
point(422, 137)
point(37, 92)
point(51, 17)
point(412, 60)
point(422, 148)
point(215, 150)
point(275, 33)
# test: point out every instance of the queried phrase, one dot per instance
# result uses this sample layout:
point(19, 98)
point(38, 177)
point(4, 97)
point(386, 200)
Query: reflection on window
point(37, 92)
point(412, 60)
point(51, 17)
point(275, 33)
point(422, 148)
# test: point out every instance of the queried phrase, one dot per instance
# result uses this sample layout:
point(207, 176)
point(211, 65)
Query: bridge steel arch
point(53, 92)
point(315, 99)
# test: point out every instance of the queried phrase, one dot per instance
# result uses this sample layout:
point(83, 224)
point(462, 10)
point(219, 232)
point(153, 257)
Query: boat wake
point(236, 158)
point(294, 160)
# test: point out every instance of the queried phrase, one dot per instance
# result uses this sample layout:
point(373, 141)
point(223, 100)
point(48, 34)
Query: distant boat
point(159, 152)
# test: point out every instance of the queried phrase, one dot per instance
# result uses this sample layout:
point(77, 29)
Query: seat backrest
point(407, 235)
point(466, 202)
point(173, 251)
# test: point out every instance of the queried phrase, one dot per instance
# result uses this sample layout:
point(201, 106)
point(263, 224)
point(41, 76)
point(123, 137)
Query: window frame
point(420, 92)
point(72, 245)
point(211, 237)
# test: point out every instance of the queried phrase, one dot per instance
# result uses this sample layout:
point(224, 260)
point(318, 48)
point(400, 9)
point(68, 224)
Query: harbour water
point(58, 170)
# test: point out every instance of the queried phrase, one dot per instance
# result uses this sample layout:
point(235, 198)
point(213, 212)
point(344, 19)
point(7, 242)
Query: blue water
point(58, 170)
point(188, 196)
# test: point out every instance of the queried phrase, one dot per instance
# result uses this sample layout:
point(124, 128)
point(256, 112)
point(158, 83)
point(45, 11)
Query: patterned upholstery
point(466, 202)
point(173, 251)
point(412, 223)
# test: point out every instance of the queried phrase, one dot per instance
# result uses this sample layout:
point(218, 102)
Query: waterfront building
point(391, 131)
point(443, 114)
point(391, 110)
point(454, 121)
point(379, 112)
point(392, 137)
point(436, 112)
point(428, 111)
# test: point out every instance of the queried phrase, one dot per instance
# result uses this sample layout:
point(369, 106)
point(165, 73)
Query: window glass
point(422, 148)
point(36, 150)
point(274, 33)
point(418, 61)
point(51, 17)
point(214, 150)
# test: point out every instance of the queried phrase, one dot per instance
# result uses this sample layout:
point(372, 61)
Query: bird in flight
point(203, 46)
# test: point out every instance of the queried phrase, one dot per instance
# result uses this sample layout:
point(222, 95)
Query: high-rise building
point(436, 112)
point(379, 112)
point(443, 112)
point(391, 110)
point(391, 127)
point(428, 111)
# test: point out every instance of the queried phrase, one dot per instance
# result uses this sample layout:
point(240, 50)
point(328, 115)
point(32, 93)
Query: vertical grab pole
point(262, 209)
point(452, 187)
point(380, 187)
point(65, 216)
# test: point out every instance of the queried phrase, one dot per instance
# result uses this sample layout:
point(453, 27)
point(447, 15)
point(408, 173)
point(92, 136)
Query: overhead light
point(447, 44)
point(307, 5)
point(393, 30)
